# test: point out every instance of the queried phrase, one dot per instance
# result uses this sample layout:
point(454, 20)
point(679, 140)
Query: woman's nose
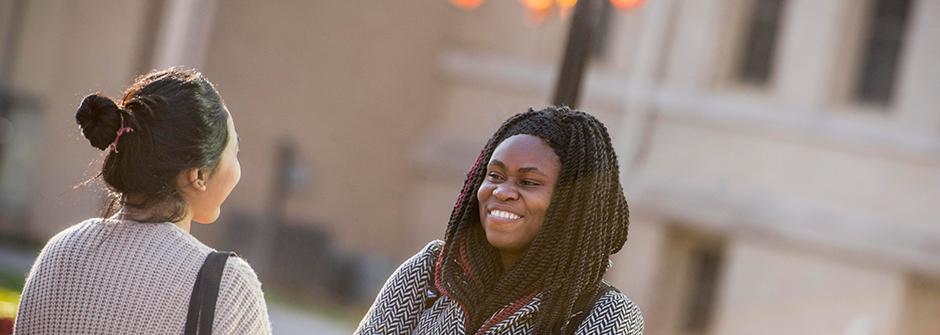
point(505, 192)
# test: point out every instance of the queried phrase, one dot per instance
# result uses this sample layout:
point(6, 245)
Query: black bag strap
point(205, 293)
point(585, 304)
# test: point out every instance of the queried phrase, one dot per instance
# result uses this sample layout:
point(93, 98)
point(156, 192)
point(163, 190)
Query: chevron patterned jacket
point(400, 308)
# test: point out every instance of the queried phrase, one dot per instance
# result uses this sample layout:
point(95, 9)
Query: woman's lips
point(500, 214)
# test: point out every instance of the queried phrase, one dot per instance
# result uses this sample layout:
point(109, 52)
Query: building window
point(921, 306)
point(882, 50)
point(763, 26)
point(689, 287)
point(704, 266)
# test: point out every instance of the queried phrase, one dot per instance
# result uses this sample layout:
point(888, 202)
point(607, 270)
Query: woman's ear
point(197, 177)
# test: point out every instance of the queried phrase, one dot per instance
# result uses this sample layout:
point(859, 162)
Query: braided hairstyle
point(167, 122)
point(586, 222)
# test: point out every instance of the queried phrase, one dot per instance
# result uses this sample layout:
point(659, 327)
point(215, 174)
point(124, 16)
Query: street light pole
point(584, 27)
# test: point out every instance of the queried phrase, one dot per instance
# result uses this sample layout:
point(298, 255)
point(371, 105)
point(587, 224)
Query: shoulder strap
point(585, 304)
point(205, 293)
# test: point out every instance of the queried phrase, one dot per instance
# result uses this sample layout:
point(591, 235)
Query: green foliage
point(9, 300)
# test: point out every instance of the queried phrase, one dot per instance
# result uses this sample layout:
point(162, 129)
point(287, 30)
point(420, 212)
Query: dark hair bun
point(100, 119)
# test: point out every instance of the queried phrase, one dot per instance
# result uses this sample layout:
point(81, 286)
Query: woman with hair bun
point(528, 241)
point(171, 159)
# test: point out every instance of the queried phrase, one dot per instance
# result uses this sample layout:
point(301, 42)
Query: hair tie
point(122, 130)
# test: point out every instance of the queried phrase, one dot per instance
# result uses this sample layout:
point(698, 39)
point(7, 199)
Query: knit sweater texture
point(108, 276)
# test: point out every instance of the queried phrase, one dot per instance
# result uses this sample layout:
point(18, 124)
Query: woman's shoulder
point(419, 267)
point(433, 248)
point(426, 257)
point(404, 295)
point(615, 311)
point(72, 237)
point(616, 300)
point(75, 230)
point(239, 271)
point(115, 230)
point(142, 246)
point(239, 281)
point(241, 308)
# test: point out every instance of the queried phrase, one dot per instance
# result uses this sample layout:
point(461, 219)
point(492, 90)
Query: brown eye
point(530, 183)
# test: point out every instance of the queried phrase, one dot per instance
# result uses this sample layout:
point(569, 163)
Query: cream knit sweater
point(124, 277)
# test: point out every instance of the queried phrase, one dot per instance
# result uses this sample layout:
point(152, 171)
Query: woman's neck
point(508, 259)
point(140, 214)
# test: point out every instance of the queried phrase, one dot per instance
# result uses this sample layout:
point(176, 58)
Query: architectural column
point(184, 33)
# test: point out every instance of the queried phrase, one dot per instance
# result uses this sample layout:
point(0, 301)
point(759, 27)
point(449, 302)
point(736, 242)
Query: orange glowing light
point(466, 4)
point(535, 18)
point(566, 3)
point(540, 9)
point(537, 5)
point(626, 4)
point(564, 6)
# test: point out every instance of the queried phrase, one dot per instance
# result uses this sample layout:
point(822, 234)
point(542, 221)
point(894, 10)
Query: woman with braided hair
point(528, 241)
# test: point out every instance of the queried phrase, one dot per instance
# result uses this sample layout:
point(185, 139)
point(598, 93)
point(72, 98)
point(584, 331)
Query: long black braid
point(586, 222)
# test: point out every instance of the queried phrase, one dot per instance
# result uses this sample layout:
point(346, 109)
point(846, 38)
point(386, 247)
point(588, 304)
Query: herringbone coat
point(400, 308)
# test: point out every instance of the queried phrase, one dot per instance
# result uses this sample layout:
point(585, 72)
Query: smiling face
point(515, 194)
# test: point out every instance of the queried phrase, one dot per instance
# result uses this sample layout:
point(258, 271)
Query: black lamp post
point(584, 26)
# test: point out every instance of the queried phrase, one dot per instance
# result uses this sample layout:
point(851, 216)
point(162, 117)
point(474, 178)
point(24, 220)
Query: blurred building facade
point(781, 157)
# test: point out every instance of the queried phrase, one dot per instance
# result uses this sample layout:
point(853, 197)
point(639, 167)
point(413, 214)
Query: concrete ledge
point(854, 129)
point(777, 219)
